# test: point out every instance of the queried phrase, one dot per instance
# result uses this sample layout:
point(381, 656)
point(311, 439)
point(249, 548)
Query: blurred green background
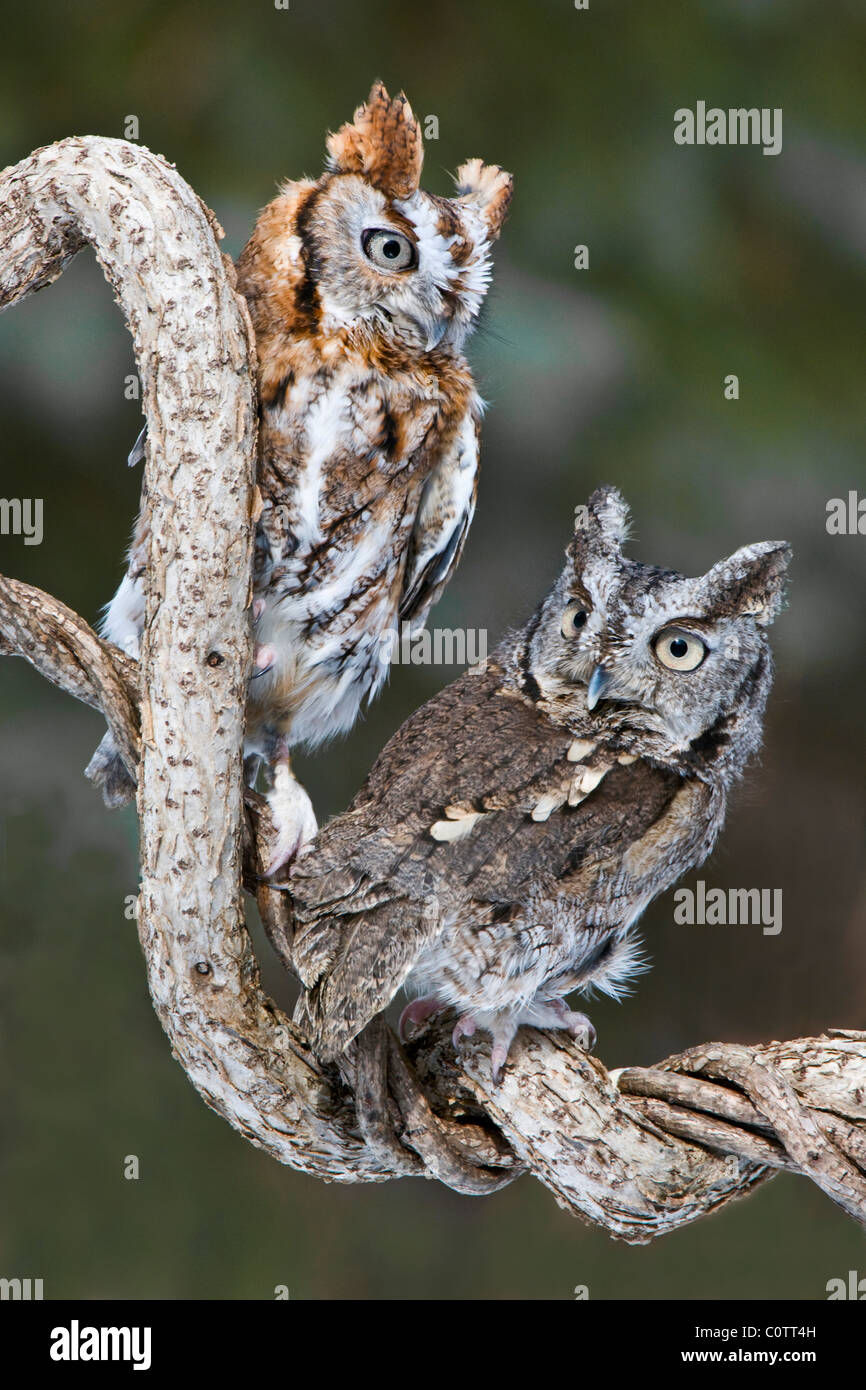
point(703, 262)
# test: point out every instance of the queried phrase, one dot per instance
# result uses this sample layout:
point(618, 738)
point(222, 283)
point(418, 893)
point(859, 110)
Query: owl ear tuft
point(488, 188)
point(383, 143)
point(600, 526)
point(751, 582)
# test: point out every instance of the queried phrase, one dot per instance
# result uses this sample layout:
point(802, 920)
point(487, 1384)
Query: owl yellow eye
point(679, 650)
point(573, 619)
point(388, 250)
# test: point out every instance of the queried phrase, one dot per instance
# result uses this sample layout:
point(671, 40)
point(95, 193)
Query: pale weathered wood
point(639, 1152)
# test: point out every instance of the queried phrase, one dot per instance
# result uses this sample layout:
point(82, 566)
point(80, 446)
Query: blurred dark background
point(703, 262)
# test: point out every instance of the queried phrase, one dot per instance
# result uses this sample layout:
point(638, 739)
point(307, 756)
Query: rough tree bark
point(640, 1152)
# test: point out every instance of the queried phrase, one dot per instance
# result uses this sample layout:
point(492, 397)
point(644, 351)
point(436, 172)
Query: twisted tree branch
point(640, 1152)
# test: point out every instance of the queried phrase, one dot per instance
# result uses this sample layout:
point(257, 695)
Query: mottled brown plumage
point(514, 829)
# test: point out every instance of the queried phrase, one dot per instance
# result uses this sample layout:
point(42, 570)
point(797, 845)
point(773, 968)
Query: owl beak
point(598, 684)
point(435, 335)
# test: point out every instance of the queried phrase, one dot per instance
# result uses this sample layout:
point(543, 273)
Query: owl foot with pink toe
point(547, 1013)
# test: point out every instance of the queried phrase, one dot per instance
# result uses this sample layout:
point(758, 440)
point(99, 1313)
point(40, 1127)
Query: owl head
point(363, 251)
point(636, 647)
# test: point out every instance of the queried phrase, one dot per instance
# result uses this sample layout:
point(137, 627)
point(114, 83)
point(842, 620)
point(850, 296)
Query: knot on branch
point(769, 1106)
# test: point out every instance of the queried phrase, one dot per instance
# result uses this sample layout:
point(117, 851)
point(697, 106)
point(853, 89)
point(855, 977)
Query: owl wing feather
point(360, 920)
point(378, 952)
point(442, 524)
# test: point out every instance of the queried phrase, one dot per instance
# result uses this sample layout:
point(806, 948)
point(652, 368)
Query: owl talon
point(293, 816)
point(277, 886)
point(547, 1013)
point(417, 1013)
point(289, 849)
point(463, 1028)
point(263, 658)
point(502, 1040)
point(577, 1024)
point(498, 1058)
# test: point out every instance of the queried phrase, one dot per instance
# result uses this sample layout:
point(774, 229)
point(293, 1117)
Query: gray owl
point(514, 829)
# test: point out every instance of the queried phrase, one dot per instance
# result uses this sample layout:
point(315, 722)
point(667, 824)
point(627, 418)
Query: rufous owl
point(362, 289)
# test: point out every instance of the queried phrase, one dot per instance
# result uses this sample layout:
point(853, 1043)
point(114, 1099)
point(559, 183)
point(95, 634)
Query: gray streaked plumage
point(514, 829)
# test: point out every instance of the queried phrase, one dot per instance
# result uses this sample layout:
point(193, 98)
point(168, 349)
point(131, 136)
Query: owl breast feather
point(345, 458)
